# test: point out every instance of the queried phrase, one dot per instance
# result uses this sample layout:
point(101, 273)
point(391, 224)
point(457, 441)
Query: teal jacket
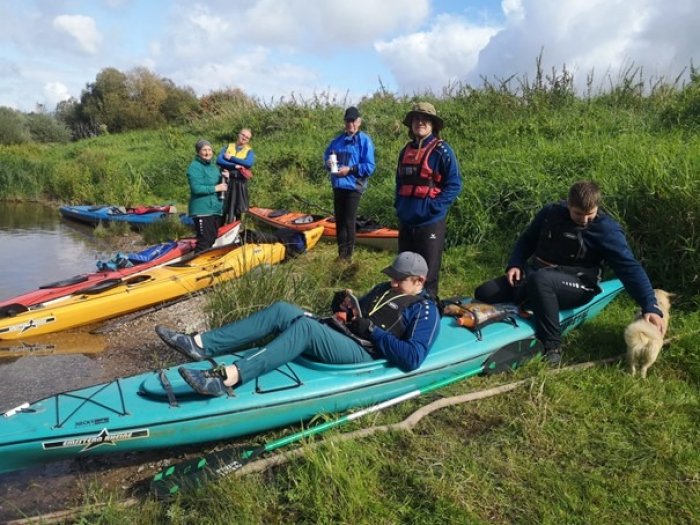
point(203, 177)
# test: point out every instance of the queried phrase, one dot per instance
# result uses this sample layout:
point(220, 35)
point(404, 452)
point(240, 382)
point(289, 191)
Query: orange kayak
point(368, 232)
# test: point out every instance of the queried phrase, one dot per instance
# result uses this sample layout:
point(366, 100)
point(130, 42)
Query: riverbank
point(131, 347)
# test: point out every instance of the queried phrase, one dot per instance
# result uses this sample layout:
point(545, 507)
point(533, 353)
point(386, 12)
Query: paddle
point(195, 472)
point(309, 203)
point(363, 223)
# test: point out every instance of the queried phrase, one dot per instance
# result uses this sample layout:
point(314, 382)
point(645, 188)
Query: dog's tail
point(640, 335)
point(643, 345)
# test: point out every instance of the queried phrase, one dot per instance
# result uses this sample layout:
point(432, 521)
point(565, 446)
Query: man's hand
point(362, 327)
point(513, 275)
point(657, 321)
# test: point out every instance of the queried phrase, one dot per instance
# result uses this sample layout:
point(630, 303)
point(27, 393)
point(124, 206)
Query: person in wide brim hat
point(424, 109)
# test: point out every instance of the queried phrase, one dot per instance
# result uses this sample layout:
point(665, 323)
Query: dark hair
point(584, 195)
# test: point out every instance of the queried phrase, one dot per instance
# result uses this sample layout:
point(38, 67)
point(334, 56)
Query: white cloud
point(276, 47)
point(603, 37)
point(83, 29)
point(55, 92)
point(253, 72)
point(320, 26)
point(434, 58)
point(593, 36)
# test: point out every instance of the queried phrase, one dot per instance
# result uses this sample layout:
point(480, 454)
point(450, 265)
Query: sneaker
point(552, 357)
point(205, 382)
point(183, 343)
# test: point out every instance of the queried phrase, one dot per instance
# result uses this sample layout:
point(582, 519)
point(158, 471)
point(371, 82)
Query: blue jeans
point(295, 333)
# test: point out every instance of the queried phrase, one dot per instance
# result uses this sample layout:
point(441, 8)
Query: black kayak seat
point(65, 282)
point(100, 287)
point(12, 310)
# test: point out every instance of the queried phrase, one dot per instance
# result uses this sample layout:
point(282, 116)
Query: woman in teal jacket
point(205, 205)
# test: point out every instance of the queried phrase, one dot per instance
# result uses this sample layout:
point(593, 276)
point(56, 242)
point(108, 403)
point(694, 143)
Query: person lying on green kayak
point(395, 320)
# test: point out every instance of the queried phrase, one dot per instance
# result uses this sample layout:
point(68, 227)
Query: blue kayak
point(136, 217)
point(157, 409)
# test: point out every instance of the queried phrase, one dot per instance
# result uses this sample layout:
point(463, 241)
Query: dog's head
point(663, 300)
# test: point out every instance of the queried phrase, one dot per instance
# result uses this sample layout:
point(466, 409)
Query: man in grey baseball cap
point(395, 320)
point(407, 264)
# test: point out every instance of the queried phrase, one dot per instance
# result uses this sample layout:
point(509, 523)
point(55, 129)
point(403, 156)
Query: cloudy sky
point(50, 49)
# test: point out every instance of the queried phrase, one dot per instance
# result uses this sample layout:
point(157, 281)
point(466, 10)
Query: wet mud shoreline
point(131, 347)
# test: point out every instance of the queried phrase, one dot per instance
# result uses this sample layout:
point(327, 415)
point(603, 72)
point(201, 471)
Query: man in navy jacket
point(557, 263)
point(396, 321)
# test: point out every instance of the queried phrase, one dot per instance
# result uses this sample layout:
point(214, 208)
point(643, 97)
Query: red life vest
point(417, 178)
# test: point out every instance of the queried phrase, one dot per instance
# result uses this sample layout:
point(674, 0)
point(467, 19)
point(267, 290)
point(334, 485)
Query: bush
point(13, 127)
point(46, 128)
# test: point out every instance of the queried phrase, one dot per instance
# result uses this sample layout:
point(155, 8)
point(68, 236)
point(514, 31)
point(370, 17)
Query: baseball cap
point(407, 264)
point(352, 113)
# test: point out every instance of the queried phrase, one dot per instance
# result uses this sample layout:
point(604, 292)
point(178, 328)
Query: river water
point(39, 247)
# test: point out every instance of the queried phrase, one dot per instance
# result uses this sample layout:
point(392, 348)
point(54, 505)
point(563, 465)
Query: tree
point(180, 103)
point(104, 101)
point(13, 127)
point(47, 128)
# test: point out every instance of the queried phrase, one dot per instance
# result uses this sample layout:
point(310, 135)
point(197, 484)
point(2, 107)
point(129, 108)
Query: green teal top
point(203, 178)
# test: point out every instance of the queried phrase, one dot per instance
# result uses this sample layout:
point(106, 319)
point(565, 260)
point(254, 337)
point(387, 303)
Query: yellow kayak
point(147, 288)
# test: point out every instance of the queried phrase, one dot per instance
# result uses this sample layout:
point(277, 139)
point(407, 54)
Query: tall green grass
point(518, 149)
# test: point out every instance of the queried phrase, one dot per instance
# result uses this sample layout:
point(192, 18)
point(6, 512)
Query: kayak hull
point(93, 215)
point(379, 238)
point(140, 413)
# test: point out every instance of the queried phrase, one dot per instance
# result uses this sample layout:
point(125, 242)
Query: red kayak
point(368, 232)
point(102, 280)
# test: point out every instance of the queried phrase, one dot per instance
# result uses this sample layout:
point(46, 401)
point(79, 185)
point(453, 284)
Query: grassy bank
point(594, 446)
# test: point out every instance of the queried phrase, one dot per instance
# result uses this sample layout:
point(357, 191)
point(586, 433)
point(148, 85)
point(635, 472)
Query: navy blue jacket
point(415, 211)
point(422, 322)
point(605, 242)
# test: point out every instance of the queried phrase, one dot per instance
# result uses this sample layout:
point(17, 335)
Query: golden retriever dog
point(644, 340)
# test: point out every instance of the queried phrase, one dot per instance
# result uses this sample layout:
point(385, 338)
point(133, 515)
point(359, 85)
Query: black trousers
point(428, 241)
point(207, 227)
point(546, 292)
point(345, 204)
